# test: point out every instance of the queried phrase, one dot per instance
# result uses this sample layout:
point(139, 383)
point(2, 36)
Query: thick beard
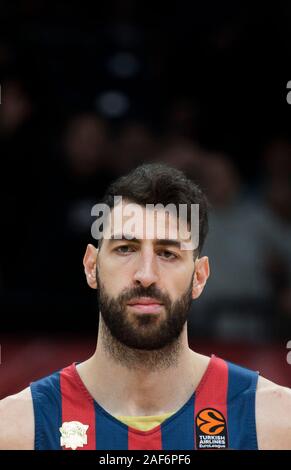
point(145, 341)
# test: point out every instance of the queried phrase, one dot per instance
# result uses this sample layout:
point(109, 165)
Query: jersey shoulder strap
point(241, 404)
point(47, 407)
point(225, 407)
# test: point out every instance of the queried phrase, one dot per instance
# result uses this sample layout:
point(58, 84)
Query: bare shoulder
point(17, 421)
point(273, 415)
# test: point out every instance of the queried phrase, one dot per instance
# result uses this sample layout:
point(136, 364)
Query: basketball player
point(144, 388)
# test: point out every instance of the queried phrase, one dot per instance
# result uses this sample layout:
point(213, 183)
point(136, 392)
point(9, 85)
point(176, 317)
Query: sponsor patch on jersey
point(211, 431)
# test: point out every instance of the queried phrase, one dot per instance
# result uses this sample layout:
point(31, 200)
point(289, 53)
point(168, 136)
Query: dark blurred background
point(88, 94)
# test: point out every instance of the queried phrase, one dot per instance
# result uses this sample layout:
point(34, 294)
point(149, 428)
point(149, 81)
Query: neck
point(138, 361)
point(133, 382)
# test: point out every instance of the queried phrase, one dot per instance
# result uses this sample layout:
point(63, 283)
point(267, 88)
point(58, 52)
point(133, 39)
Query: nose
point(146, 272)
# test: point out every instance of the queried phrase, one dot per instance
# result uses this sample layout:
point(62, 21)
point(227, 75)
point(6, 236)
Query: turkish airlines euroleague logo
point(211, 429)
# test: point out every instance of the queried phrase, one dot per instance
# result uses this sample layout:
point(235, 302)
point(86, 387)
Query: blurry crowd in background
point(85, 98)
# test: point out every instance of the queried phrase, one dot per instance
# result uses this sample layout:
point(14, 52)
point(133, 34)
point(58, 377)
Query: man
point(144, 388)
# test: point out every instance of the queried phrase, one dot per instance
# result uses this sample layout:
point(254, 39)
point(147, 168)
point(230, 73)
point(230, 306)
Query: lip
point(146, 308)
point(146, 305)
point(144, 301)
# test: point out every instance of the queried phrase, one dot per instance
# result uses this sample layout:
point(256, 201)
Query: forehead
point(153, 222)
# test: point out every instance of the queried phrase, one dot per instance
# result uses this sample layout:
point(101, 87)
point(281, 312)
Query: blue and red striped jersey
point(219, 414)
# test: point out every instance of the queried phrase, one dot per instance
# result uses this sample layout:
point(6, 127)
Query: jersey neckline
point(157, 428)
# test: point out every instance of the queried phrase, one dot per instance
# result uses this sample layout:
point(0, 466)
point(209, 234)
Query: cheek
point(114, 278)
point(177, 289)
point(179, 283)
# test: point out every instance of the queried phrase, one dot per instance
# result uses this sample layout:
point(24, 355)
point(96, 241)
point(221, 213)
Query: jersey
point(220, 414)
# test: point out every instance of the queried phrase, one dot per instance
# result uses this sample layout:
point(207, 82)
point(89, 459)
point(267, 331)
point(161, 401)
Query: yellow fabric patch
point(144, 423)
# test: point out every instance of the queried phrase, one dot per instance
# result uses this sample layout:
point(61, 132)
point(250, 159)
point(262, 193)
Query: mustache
point(141, 291)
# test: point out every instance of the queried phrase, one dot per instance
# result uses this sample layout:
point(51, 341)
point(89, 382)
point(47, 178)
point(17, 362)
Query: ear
point(89, 262)
point(201, 275)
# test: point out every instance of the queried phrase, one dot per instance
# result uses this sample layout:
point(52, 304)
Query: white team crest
point(73, 434)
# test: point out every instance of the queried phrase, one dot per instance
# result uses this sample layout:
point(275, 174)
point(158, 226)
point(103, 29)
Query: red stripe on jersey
point(77, 405)
point(140, 441)
point(212, 390)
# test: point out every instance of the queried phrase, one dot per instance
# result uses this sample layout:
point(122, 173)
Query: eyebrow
point(126, 237)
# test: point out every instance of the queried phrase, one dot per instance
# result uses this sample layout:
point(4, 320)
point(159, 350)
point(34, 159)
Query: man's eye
point(168, 254)
point(123, 249)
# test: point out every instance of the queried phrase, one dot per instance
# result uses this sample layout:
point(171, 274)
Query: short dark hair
point(155, 183)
